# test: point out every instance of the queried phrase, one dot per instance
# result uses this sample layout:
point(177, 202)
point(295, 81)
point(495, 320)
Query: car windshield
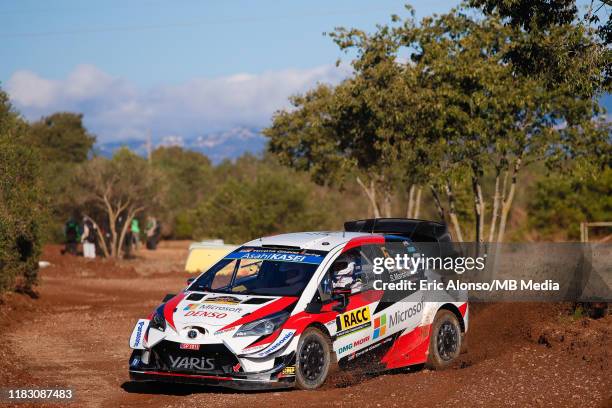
point(261, 271)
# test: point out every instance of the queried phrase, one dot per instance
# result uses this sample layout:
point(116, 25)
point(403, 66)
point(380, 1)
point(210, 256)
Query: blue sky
point(152, 42)
point(179, 69)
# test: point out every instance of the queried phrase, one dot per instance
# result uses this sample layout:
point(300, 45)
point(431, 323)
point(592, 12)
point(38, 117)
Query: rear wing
point(415, 230)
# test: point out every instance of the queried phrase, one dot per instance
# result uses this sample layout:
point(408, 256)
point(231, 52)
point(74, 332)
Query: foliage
point(62, 142)
point(459, 111)
point(560, 203)
point(550, 40)
point(188, 176)
point(267, 201)
point(21, 203)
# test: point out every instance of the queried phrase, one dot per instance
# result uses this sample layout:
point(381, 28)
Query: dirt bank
point(75, 335)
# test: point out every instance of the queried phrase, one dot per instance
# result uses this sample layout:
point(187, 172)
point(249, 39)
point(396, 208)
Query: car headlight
point(262, 327)
point(158, 321)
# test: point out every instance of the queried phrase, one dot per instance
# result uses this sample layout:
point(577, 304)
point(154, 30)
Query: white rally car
point(281, 311)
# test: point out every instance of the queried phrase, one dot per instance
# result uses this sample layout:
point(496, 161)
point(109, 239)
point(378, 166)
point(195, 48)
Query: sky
point(175, 68)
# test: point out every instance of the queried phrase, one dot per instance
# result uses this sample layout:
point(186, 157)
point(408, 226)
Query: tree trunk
point(100, 237)
point(417, 204)
point(495, 212)
point(452, 213)
point(478, 208)
point(371, 194)
point(409, 213)
point(112, 220)
point(507, 202)
point(439, 206)
point(387, 201)
point(128, 223)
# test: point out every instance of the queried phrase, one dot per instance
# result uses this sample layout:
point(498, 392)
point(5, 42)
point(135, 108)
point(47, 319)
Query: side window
point(352, 271)
point(223, 276)
point(402, 249)
point(325, 288)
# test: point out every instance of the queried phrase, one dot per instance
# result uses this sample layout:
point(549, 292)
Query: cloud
point(114, 109)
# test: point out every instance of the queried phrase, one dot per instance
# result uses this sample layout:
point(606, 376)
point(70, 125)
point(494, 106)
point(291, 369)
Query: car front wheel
point(445, 340)
point(313, 359)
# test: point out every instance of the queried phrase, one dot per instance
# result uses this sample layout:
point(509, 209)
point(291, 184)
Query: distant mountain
point(218, 146)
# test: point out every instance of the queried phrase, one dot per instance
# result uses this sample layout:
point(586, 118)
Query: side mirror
point(341, 296)
point(189, 281)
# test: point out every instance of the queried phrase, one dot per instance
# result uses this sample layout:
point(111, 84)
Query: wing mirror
point(190, 281)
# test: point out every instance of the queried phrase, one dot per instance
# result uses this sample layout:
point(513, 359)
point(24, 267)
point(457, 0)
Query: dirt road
point(75, 335)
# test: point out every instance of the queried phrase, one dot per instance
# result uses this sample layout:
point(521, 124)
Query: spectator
point(89, 238)
point(135, 228)
point(153, 232)
point(72, 233)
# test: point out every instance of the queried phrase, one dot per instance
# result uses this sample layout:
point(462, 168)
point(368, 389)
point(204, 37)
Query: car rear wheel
point(445, 340)
point(313, 359)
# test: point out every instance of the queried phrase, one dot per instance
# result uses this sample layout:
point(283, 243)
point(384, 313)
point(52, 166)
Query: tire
point(313, 359)
point(445, 340)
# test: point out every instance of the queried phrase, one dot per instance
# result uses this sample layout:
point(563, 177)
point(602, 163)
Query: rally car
point(285, 310)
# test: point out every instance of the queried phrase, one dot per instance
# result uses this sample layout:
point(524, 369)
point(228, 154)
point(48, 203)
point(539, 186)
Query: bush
point(21, 211)
point(272, 202)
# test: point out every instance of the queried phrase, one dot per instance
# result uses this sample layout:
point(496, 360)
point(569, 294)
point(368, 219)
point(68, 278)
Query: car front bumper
point(280, 376)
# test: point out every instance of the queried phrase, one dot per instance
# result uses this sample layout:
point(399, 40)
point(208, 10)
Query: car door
point(353, 326)
point(401, 310)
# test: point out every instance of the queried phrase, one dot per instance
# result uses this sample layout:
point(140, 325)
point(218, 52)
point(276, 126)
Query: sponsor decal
point(186, 346)
point(380, 326)
point(227, 300)
point(192, 363)
point(253, 349)
point(192, 306)
point(236, 368)
point(281, 342)
point(223, 331)
point(276, 255)
point(401, 316)
point(355, 343)
point(368, 349)
point(223, 308)
point(289, 370)
point(138, 333)
point(206, 313)
point(352, 321)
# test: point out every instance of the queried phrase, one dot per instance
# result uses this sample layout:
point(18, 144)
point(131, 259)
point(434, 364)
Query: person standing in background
point(152, 231)
point(72, 233)
point(135, 228)
point(89, 238)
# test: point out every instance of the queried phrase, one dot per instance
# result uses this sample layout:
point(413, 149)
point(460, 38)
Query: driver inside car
point(346, 276)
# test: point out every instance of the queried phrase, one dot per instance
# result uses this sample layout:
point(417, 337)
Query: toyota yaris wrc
point(285, 310)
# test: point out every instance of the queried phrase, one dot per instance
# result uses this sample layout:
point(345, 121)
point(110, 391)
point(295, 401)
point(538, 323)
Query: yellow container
point(203, 255)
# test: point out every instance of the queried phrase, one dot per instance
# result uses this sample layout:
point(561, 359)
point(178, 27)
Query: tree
point(21, 203)
point(459, 110)
point(269, 200)
point(560, 203)
point(551, 41)
point(120, 188)
point(62, 138)
point(62, 142)
point(350, 131)
point(493, 120)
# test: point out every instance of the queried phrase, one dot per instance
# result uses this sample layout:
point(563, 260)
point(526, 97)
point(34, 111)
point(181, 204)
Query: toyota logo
point(192, 334)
